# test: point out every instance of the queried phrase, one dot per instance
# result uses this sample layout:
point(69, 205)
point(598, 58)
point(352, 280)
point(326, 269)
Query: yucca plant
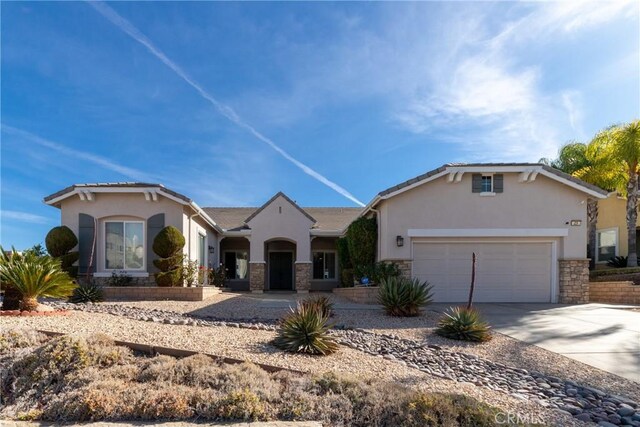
point(321, 303)
point(305, 330)
point(87, 292)
point(404, 297)
point(34, 276)
point(462, 323)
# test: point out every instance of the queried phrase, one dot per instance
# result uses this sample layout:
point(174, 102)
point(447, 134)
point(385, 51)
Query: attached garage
point(506, 270)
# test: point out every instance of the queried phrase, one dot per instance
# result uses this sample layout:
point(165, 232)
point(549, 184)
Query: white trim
point(488, 194)
point(555, 279)
point(328, 233)
point(617, 250)
point(572, 184)
point(303, 262)
point(130, 273)
point(488, 232)
point(414, 185)
point(238, 233)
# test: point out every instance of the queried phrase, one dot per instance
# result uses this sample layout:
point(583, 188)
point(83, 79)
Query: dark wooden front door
point(281, 271)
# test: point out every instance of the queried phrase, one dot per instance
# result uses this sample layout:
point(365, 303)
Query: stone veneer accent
point(614, 292)
point(405, 268)
point(574, 281)
point(303, 276)
point(154, 293)
point(256, 276)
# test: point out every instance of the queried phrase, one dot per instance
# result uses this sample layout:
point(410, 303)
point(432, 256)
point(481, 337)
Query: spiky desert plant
point(35, 277)
point(305, 330)
point(321, 303)
point(87, 292)
point(466, 324)
point(404, 297)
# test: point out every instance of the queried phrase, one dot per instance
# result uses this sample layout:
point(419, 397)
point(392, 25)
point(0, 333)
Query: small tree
point(362, 237)
point(168, 246)
point(59, 241)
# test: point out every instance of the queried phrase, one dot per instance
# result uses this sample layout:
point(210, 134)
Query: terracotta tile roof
point(330, 218)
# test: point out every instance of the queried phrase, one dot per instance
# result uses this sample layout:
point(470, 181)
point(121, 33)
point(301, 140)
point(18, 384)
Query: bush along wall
point(344, 261)
point(362, 236)
point(59, 242)
point(168, 246)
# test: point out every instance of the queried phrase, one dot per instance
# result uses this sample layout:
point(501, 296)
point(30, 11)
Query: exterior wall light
point(211, 249)
point(399, 241)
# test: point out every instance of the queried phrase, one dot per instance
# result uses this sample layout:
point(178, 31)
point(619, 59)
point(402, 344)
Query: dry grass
point(83, 378)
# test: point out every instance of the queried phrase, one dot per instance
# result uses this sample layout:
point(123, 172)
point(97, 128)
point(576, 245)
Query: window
point(201, 250)
point(607, 242)
point(237, 264)
point(487, 184)
point(324, 265)
point(124, 245)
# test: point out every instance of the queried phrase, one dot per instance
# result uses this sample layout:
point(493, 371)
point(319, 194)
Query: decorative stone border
point(359, 294)
point(614, 292)
point(155, 293)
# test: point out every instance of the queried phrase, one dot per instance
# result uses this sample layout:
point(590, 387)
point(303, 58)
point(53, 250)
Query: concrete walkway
point(599, 335)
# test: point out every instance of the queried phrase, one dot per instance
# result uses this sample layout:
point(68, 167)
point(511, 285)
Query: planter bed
point(155, 293)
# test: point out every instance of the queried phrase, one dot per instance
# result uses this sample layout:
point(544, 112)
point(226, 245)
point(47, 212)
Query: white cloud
point(24, 217)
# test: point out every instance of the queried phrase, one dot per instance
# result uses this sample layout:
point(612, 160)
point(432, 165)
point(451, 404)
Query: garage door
point(505, 271)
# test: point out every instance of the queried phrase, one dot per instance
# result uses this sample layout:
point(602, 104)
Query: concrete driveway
point(595, 334)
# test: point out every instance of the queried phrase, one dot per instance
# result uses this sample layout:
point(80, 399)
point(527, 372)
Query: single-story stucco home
point(526, 222)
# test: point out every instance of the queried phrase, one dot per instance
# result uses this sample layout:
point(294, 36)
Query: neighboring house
point(525, 222)
point(611, 234)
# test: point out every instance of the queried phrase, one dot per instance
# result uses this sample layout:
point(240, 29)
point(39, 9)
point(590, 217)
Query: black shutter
point(476, 183)
point(86, 232)
point(154, 225)
point(498, 183)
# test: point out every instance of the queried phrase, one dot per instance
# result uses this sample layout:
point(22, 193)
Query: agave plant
point(305, 330)
point(404, 297)
point(87, 292)
point(321, 303)
point(34, 276)
point(466, 324)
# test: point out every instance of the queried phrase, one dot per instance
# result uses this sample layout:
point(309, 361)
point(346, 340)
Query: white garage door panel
point(506, 271)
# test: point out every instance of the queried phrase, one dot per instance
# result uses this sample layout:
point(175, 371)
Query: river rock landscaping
point(582, 402)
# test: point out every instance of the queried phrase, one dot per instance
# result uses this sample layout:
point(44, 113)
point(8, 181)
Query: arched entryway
point(281, 256)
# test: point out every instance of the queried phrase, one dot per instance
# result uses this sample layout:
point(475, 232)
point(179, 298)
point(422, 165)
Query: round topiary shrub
point(168, 246)
point(168, 242)
point(60, 240)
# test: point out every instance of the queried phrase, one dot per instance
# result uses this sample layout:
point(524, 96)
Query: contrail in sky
point(223, 109)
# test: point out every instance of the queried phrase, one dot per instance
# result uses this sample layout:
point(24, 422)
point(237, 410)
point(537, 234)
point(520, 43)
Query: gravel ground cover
point(501, 349)
point(254, 346)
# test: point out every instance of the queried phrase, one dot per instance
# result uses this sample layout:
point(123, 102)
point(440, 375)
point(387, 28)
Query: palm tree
point(623, 142)
point(34, 276)
point(592, 163)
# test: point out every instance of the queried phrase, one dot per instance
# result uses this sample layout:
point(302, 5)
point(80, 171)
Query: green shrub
point(401, 296)
point(87, 292)
point(119, 280)
point(168, 242)
point(60, 240)
point(305, 330)
point(362, 236)
point(466, 324)
point(618, 262)
point(168, 246)
point(34, 277)
point(347, 277)
point(383, 270)
point(321, 304)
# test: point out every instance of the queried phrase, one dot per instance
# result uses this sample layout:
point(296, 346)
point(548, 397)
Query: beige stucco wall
point(612, 213)
point(133, 206)
point(439, 204)
point(285, 224)
point(193, 225)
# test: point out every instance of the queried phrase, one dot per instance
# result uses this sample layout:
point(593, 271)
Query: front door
point(280, 271)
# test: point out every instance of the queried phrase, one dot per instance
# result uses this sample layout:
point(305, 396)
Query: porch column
point(303, 276)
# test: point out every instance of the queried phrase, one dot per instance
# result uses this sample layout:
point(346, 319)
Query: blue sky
point(229, 103)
